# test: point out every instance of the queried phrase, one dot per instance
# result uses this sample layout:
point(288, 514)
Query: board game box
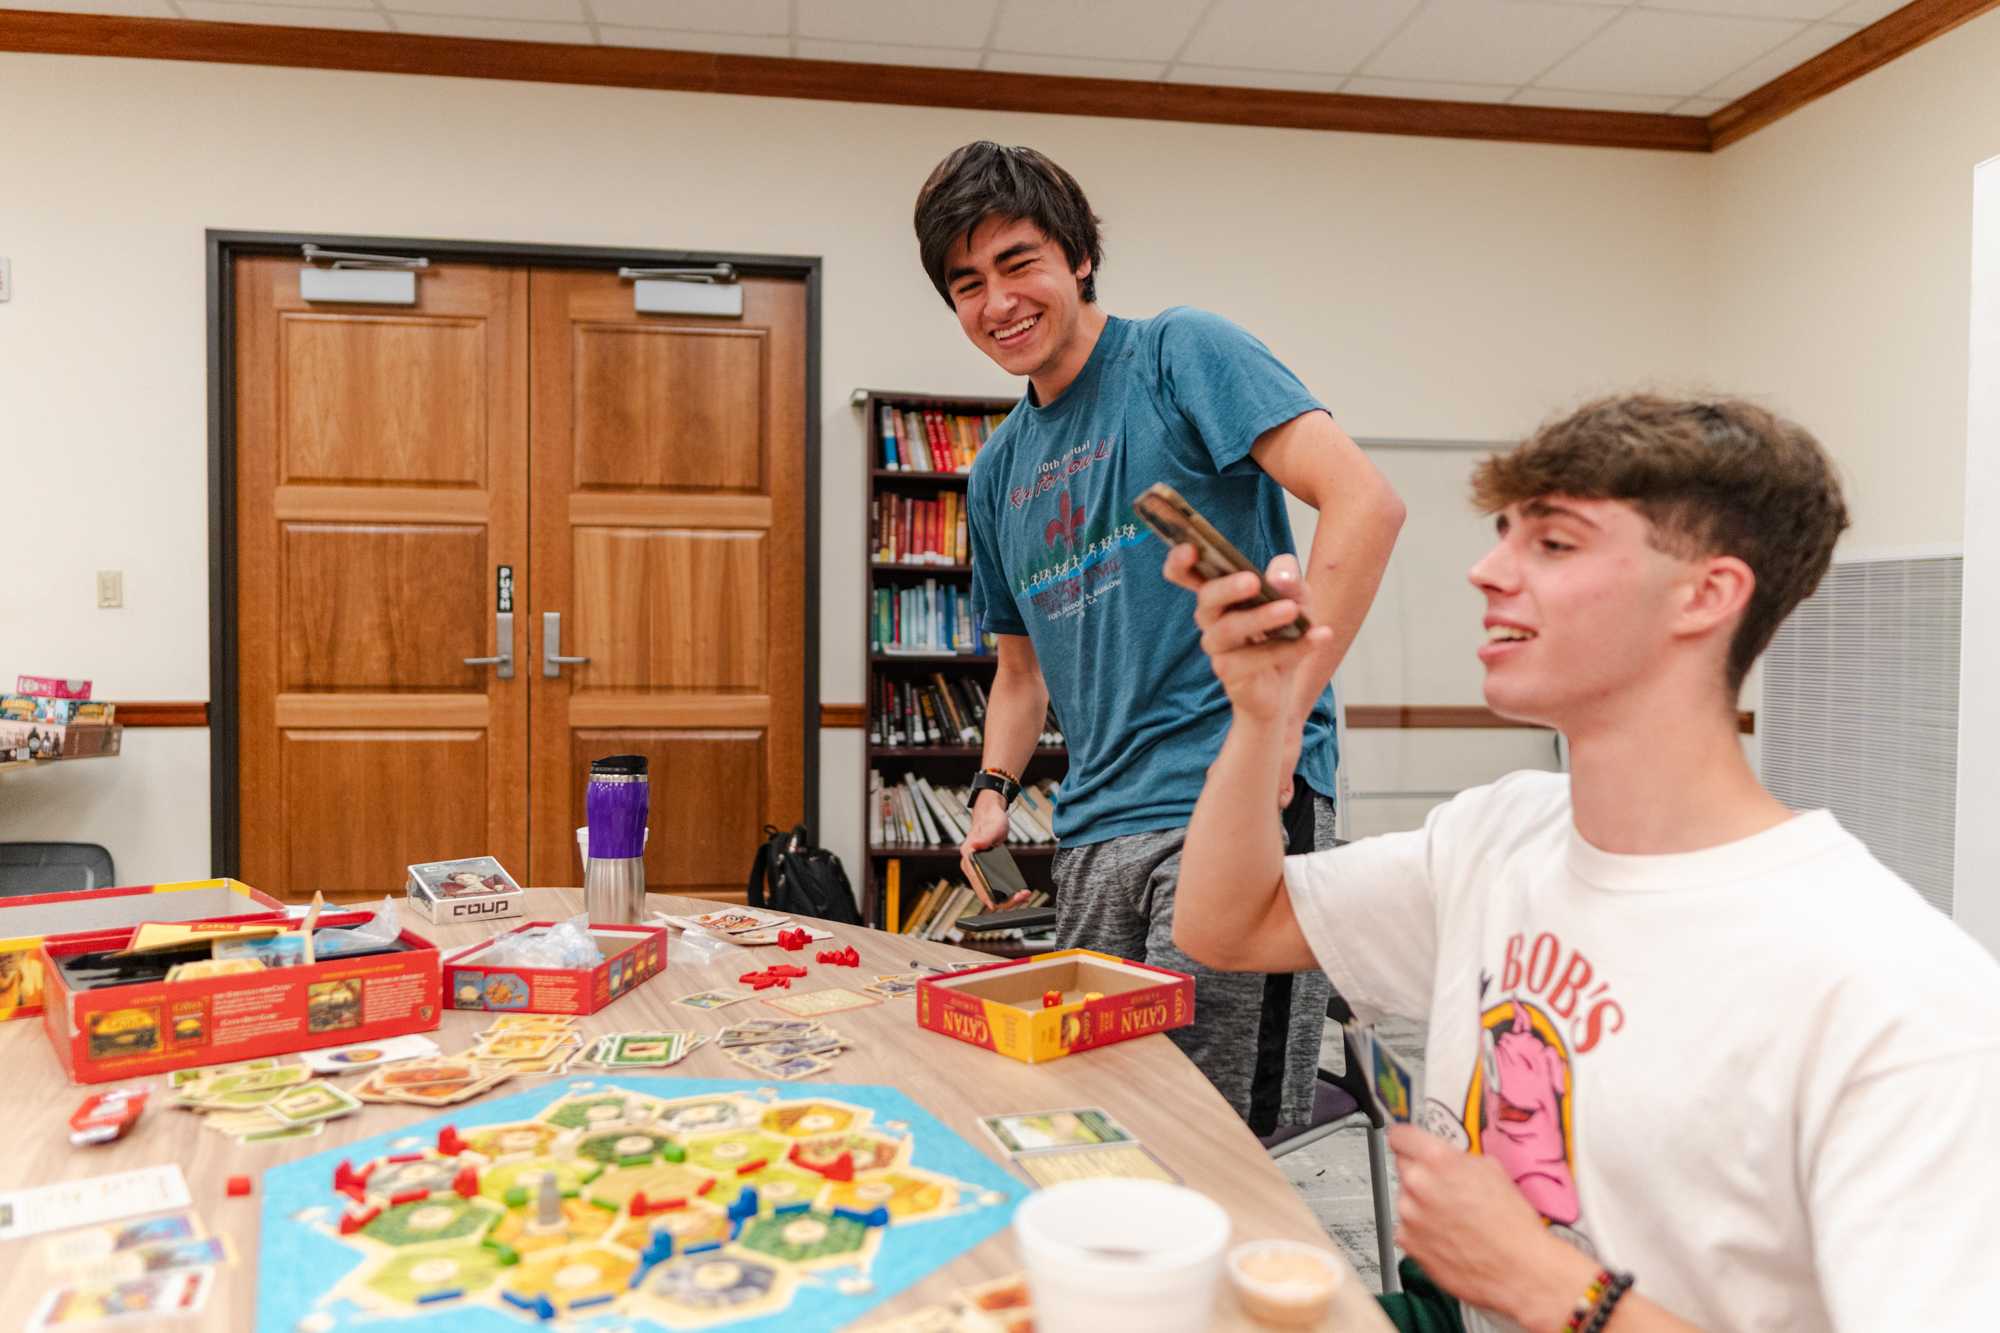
point(632, 955)
point(628, 1203)
point(475, 888)
point(1097, 1000)
point(124, 1031)
point(24, 921)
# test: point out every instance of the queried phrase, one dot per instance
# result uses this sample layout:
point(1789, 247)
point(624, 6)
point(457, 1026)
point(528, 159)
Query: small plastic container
point(1106, 1255)
point(1284, 1282)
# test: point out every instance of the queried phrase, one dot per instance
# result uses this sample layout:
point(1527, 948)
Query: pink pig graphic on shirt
point(1524, 1084)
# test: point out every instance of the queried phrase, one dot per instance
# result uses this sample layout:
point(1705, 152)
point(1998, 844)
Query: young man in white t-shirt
point(1693, 1060)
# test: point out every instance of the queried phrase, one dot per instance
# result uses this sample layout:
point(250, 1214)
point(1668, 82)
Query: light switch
point(110, 587)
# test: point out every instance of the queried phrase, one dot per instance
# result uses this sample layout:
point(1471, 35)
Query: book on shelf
point(940, 711)
point(928, 618)
point(904, 530)
point(925, 439)
point(937, 908)
point(911, 811)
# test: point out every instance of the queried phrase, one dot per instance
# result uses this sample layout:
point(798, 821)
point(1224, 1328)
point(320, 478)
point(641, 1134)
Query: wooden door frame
point(224, 248)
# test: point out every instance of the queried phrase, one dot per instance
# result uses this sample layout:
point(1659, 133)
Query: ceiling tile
point(1752, 9)
point(1645, 51)
point(723, 43)
point(534, 11)
point(1106, 29)
point(758, 16)
point(294, 16)
point(496, 30)
point(1076, 67)
point(1309, 35)
point(1365, 86)
point(1790, 55)
point(1219, 76)
point(130, 9)
point(1594, 101)
point(1486, 41)
point(1700, 106)
point(908, 22)
point(878, 53)
point(1867, 11)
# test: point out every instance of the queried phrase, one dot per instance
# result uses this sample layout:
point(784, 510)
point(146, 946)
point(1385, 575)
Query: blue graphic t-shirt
point(1058, 555)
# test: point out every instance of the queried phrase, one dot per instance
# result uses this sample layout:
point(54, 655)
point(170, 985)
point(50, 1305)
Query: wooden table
point(1147, 1084)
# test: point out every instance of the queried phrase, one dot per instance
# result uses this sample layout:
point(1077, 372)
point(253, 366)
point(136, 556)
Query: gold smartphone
point(1177, 521)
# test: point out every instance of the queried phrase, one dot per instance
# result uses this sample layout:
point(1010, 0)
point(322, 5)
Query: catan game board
point(628, 1202)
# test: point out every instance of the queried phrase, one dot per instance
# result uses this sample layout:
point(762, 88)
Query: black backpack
point(790, 877)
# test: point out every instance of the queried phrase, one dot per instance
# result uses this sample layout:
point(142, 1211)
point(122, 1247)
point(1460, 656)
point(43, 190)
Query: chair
point(1336, 1099)
point(52, 867)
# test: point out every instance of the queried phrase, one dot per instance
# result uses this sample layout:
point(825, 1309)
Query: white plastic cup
point(1109, 1255)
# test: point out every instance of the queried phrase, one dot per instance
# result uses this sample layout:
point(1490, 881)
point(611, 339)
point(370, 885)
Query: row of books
point(931, 618)
point(940, 711)
point(912, 812)
point(936, 909)
point(925, 439)
point(907, 531)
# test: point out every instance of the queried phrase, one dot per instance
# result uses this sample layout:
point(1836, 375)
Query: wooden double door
point(519, 438)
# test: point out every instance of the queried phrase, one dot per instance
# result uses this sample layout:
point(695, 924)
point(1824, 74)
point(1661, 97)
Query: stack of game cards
point(1077, 1143)
point(782, 1048)
point(260, 1100)
point(444, 1081)
point(162, 1266)
point(521, 1044)
point(644, 1050)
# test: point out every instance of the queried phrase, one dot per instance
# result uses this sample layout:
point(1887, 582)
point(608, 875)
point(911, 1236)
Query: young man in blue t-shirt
point(1113, 406)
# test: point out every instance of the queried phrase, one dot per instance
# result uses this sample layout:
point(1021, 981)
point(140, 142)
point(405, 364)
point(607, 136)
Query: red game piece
point(238, 1186)
point(757, 1164)
point(407, 1157)
point(466, 1183)
point(794, 939)
point(840, 1168)
point(354, 1192)
point(409, 1196)
point(448, 1141)
point(353, 1222)
point(785, 970)
point(852, 957)
point(343, 1175)
point(1051, 998)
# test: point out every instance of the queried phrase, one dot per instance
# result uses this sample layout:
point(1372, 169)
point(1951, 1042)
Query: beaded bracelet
point(1591, 1295)
point(1613, 1292)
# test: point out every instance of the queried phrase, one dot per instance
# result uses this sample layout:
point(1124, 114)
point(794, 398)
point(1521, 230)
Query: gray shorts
point(1257, 1037)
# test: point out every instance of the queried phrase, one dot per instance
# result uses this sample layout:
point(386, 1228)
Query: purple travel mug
point(615, 804)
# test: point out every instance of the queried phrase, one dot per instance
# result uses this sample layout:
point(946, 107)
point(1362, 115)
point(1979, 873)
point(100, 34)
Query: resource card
point(77, 1203)
point(1031, 1131)
point(812, 1003)
point(1128, 1160)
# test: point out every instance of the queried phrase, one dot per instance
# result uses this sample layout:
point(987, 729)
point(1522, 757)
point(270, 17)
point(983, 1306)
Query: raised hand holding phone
point(989, 830)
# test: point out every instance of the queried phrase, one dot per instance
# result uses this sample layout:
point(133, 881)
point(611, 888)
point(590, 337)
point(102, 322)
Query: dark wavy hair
point(1712, 477)
point(985, 179)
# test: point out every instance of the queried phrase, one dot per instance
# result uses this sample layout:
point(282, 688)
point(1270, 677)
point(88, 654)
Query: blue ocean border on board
point(292, 1254)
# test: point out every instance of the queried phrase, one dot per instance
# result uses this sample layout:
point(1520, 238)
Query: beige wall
point(1839, 286)
point(1422, 287)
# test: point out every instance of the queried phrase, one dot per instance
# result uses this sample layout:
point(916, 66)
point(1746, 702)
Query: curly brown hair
point(1712, 477)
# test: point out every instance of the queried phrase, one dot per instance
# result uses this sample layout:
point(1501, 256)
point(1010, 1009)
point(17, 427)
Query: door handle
point(503, 630)
point(552, 659)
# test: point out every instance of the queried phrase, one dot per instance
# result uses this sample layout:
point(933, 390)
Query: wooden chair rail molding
point(1360, 717)
point(164, 713)
point(841, 81)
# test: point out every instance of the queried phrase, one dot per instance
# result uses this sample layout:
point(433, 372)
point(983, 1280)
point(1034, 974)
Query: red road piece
point(784, 970)
point(238, 1186)
point(448, 1141)
point(750, 1167)
point(404, 1157)
point(343, 1175)
point(409, 1196)
point(353, 1222)
point(466, 1183)
point(706, 1185)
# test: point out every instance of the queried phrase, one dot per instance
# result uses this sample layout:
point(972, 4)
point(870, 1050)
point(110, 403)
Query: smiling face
point(1583, 612)
point(1020, 302)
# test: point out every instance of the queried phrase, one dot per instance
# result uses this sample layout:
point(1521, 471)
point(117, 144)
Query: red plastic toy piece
point(466, 1183)
point(794, 939)
point(343, 1175)
point(408, 1196)
point(238, 1186)
point(706, 1186)
point(785, 970)
point(406, 1157)
point(1051, 998)
point(448, 1141)
point(353, 1222)
point(354, 1192)
point(840, 1168)
point(753, 1166)
point(848, 957)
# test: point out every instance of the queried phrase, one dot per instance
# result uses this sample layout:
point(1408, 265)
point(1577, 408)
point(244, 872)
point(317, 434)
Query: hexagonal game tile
point(723, 1153)
point(569, 1276)
point(441, 1217)
point(496, 1182)
point(581, 1221)
point(599, 1109)
point(869, 1151)
point(704, 1285)
point(528, 1138)
point(906, 1194)
point(659, 1182)
point(408, 1277)
point(432, 1173)
point(805, 1120)
point(695, 1114)
point(626, 1146)
point(777, 1185)
point(803, 1238)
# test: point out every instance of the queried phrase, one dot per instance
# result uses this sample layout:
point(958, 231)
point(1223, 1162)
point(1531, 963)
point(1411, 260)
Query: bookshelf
point(925, 656)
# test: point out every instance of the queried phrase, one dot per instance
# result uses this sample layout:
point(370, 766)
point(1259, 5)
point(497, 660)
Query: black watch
point(988, 781)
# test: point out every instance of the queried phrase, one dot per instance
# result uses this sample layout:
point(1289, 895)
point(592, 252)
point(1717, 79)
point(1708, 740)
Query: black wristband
point(984, 781)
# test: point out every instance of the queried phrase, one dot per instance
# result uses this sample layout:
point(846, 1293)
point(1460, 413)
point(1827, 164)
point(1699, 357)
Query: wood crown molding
point(837, 81)
point(164, 713)
point(1869, 49)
